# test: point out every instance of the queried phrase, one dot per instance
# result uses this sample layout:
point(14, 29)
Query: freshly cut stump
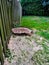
point(22, 30)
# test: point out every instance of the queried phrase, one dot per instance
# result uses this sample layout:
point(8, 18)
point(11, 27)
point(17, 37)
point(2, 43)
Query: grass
point(41, 57)
point(45, 34)
point(37, 22)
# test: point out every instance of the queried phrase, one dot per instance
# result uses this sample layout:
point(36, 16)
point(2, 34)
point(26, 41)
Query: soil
point(22, 49)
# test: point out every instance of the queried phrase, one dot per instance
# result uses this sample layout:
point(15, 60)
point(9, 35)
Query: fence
point(1, 53)
point(5, 27)
point(6, 23)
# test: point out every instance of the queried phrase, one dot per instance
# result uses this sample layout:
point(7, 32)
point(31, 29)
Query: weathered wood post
point(2, 36)
point(1, 53)
point(16, 12)
point(5, 23)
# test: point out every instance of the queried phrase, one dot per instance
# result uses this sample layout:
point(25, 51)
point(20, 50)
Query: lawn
point(41, 24)
point(38, 22)
point(30, 50)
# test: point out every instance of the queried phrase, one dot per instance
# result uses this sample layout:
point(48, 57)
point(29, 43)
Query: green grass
point(40, 57)
point(37, 22)
point(44, 34)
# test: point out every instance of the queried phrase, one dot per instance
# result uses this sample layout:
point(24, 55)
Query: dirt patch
point(22, 49)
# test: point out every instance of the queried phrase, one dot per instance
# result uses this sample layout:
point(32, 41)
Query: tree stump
point(22, 30)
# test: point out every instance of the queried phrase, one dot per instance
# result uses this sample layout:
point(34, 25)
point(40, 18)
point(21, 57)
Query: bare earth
point(22, 49)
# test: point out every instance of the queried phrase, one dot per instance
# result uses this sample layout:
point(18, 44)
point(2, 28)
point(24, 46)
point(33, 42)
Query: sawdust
point(22, 49)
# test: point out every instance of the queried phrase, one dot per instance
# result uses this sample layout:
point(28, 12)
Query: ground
point(30, 50)
point(24, 50)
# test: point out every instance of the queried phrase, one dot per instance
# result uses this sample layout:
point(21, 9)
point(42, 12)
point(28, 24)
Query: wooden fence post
point(2, 37)
point(1, 53)
point(6, 21)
